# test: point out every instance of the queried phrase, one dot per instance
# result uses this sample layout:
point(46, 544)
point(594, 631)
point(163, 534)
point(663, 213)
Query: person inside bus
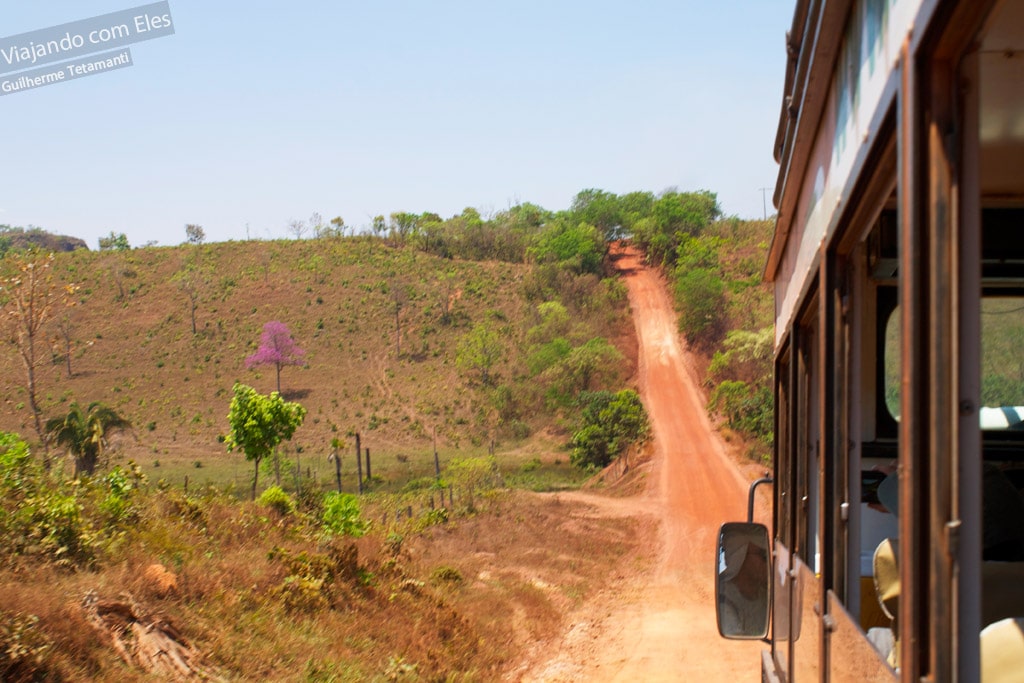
point(1002, 542)
point(744, 589)
point(1002, 516)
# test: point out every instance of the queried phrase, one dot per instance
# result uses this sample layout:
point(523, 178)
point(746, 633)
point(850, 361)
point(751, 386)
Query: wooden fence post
point(359, 464)
point(437, 462)
point(337, 467)
point(369, 472)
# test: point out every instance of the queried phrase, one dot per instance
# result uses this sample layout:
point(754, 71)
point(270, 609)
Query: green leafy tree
point(660, 227)
point(84, 433)
point(554, 323)
point(577, 369)
point(745, 356)
point(608, 424)
point(748, 408)
point(547, 355)
point(600, 209)
point(259, 424)
point(403, 226)
point(700, 294)
point(39, 514)
point(579, 248)
point(115, 241)
point(479, 351)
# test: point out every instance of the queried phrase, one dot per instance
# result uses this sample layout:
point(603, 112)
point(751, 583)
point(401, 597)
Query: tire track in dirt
point(659, 625)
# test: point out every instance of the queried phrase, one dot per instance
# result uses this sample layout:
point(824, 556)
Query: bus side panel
point(782, 597)
point(805, 628)
point(853, 659)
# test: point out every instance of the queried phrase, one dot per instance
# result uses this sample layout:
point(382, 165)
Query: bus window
point(891, 359)
point(1002, 364)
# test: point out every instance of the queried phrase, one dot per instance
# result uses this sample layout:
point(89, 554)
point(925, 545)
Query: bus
point(896, 544)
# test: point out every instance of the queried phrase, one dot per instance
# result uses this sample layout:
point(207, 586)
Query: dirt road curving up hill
point(658, 623)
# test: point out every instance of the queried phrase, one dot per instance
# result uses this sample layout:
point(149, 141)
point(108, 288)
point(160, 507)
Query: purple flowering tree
point(277, 348)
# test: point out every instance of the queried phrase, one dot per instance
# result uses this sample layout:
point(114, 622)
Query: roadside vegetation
point(288, 524)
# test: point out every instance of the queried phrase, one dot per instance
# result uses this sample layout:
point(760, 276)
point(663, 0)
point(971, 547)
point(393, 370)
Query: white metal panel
point(861, 88)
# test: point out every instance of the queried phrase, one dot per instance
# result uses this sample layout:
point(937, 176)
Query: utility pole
point(764, 200)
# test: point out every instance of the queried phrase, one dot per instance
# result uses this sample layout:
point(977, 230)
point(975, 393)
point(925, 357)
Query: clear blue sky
point(258, 113)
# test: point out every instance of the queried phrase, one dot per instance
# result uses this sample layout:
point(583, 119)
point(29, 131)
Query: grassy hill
point(449, 583)
point(455, 592)
point(133, 349)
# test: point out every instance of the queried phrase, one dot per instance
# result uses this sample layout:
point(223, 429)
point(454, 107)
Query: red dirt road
point(658, 623)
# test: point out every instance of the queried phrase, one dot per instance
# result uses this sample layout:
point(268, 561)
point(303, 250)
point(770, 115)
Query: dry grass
point(138, 354)
point(241, 597)
point(519, 562)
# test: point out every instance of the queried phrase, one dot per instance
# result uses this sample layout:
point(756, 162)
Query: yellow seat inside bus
point(1002, 585)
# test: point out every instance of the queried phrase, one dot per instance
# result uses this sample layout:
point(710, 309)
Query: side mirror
point(743, 576)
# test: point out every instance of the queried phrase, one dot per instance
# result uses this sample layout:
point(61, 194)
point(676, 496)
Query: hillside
point(133, 348)
point(405, 337)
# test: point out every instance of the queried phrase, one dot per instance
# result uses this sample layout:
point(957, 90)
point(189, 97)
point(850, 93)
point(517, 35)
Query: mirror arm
point(750, 495)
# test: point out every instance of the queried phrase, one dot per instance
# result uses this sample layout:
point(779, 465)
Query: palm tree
point(83, 433)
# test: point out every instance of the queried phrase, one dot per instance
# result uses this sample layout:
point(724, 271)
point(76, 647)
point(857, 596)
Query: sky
point(253, 114)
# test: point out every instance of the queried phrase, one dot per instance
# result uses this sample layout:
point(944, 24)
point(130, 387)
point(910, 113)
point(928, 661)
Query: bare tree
point(192, 281)
point(317, 225)
point(297, 228)
point(32, 299)
point(65, 329)
point(337, 226)
point(447, 295)
point(195, 233)
point(399, 295)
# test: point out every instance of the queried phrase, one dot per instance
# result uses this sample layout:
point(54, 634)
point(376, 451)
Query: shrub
point(446, 574)
point(23, 648)
point(38, 514)
point(747, 408)
point(117, 505)
point(700, 294)
point(276, 499)
point(609, 423)
point(474, 473)
point(431, 518)
point(530, 465)
point(341, 515)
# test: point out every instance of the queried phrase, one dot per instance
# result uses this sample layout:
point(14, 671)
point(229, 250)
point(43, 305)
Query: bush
point(478, 474)
point(700, 294)
point(445, 574)
point(276, 498)
point(117, 505)
point(342, 516)
point(747, 408)
point(609, 423)
point(23, 648)
point(39, 515)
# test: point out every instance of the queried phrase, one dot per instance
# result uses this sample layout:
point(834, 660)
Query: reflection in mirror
point(743, 580)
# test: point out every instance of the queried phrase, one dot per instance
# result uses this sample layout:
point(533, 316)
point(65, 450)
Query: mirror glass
point(742, 580)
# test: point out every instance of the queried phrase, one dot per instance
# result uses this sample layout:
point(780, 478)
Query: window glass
point(892, 363)
point(1002, 363)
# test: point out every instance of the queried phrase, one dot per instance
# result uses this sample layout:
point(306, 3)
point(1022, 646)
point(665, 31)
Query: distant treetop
point(18, 238)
